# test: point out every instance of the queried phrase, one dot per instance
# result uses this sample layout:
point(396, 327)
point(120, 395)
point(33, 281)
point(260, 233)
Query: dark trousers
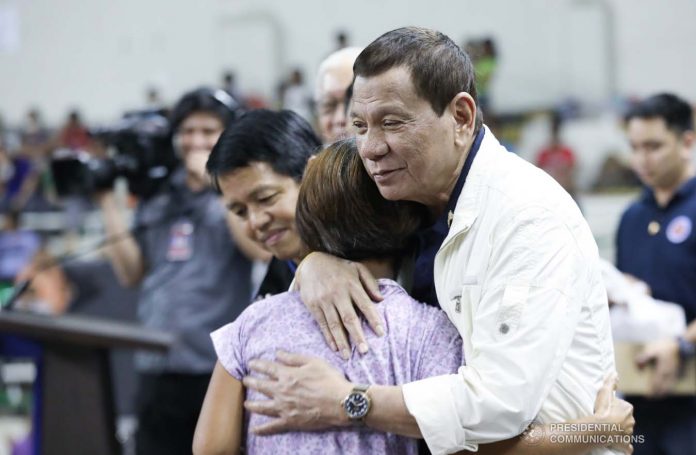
point(667, 426)
point(168, 408)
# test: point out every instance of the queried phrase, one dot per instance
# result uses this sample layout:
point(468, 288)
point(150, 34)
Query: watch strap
point(361, 388)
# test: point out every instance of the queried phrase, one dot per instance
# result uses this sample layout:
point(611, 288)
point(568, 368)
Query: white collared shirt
point(519, 277)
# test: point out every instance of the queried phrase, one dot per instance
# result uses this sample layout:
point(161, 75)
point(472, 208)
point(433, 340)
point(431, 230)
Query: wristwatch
point(357, 404)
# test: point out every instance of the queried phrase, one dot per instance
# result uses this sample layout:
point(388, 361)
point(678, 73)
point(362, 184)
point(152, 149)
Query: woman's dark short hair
point(282, 139)
point(676, 112)
point(214, 101)
point(439, 68)
point(341, 212)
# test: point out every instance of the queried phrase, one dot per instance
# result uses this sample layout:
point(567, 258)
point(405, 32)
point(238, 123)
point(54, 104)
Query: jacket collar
point(468, 204)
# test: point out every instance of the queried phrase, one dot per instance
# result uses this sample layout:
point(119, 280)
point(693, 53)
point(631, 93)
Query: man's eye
point(359, 125)
point(240, 212)
point(390, 123)
point(268, 199)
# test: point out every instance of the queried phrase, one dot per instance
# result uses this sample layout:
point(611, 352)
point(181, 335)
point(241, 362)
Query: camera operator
point(194, 277)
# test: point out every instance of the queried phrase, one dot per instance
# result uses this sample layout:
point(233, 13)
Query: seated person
point(340, 211)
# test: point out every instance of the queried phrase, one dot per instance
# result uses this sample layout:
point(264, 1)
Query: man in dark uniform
point(656, 243)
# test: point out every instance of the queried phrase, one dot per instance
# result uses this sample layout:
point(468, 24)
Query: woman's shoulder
point(398, 304)
point(286, 303)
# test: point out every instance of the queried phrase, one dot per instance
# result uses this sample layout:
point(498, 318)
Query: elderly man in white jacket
point(516, 270)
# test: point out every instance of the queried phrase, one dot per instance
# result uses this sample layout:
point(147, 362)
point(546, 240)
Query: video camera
point(142, 153)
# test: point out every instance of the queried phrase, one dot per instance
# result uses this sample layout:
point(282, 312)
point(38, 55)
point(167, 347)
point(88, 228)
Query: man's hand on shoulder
point(332, 288)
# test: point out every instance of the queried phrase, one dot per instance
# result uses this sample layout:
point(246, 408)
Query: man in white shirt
point(516, 269)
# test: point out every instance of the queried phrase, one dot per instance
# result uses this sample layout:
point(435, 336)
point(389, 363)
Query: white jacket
point(519, 277)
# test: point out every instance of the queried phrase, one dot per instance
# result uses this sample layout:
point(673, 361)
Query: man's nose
point(372, 145)
point(258, 219)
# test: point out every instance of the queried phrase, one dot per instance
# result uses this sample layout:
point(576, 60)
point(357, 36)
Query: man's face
point(196, 137)
point(331, 99)
point(265, 201)
point(659, 155)
point(408, 150)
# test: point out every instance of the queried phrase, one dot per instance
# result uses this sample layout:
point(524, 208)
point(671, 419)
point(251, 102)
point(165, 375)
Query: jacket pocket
point(510, 312)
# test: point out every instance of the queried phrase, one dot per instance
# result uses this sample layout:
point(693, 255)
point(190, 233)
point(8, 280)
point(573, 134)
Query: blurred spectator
point(74, 134)
point(37, 143)
point(17, 247)
point(9, 136)
point(153, 99)
point(229, 84)
point(35, 135)
point(341, 40)
point(18, 177)
point(485, 59)
point(333, 78)
point(295, 95)
point(557, 159)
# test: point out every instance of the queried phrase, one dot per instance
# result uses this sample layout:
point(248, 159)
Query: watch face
point(356, 405)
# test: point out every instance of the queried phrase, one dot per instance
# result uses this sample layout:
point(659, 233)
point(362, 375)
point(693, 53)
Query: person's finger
point(369, 310)
point(266, 407)
point(352, 323)
point(273, 427)
point(318, 315)
point(265, 367)
point(293, 359)
point(369, 283)
point(263, 386)
point(644, 357)
point(335, 326)
point(605, 394)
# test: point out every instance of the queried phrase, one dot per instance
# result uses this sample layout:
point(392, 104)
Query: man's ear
point(688, 138)
point(463, 109)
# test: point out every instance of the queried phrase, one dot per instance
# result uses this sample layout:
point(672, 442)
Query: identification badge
point(180, 242)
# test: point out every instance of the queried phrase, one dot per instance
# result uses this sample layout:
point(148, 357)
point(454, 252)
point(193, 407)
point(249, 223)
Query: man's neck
point(664, 195)
point(439, 203)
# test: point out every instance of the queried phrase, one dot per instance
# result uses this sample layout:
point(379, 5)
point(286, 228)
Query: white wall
point(99, 55)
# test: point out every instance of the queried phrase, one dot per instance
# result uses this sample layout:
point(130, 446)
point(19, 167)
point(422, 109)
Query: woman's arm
point(219, 428)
